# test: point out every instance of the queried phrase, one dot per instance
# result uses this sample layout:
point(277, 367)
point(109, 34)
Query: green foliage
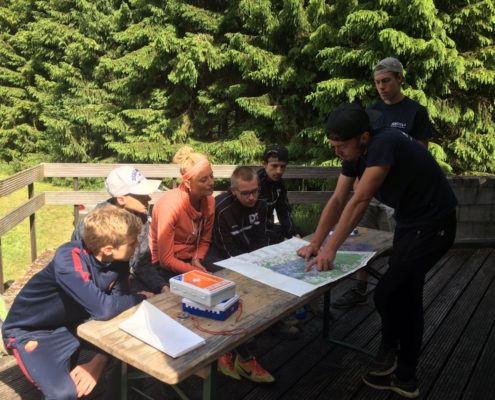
point(306, 217)
point(133, 81)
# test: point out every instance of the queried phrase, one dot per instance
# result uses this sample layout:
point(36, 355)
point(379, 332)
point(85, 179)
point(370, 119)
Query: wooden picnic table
point(262, 306)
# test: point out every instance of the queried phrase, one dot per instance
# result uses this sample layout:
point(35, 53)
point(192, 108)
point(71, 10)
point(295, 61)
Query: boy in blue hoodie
point(87, 279)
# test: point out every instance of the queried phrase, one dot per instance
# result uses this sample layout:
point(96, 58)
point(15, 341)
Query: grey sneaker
point(408, 389)
point(385, 361)
point(350, 299)
point(316, 307)
point(292, 320)
point(285, 331)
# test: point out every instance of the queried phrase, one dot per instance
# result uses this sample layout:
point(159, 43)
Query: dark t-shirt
point(415, 185)
point(407, 116)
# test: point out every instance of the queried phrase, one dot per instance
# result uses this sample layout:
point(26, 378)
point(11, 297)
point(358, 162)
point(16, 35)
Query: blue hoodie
point(71, 289)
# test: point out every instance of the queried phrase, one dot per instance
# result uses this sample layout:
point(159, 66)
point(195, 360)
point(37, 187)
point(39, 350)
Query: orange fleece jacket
point(178, 232)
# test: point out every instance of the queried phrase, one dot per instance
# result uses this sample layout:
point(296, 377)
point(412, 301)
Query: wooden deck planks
point(13, 385)
point(348, 382)
point(463, 294)
point(457, 360)
point(479, 296)
point(482, 384)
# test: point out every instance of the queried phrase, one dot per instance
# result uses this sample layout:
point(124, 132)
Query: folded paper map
point(157, 329)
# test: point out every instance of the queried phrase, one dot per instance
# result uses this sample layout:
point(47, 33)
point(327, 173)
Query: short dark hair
point(349, 120)
point(276, 151)
point(243, 173)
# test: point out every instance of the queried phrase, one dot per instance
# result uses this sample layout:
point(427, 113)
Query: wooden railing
point(27, 179)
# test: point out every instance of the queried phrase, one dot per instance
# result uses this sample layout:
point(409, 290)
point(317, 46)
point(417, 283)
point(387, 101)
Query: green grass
point(54, 225)
point(306, 216)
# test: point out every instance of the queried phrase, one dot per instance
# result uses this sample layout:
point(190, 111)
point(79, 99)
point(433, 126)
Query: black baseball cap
point(276, 151)
point(350, 120)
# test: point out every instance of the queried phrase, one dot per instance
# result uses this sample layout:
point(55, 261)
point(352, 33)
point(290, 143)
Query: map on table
point(279, 266)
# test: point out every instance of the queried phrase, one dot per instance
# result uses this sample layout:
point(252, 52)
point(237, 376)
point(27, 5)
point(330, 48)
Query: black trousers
point(399, 294)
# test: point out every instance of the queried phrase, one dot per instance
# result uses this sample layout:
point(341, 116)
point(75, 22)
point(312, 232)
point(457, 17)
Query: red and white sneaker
point(225, 365)
point(253, 371)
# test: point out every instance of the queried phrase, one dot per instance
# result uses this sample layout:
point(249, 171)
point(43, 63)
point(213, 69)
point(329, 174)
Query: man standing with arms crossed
point(411, 118)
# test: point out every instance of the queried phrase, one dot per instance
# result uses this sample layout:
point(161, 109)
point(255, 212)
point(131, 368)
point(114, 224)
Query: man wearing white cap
point(130, 190)
point(411, 118)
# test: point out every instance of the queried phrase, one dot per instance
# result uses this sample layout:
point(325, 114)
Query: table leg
point(209, 384)
point(326, 313)
point(326, 327)
point(350, 346)
point(373, 272)
point(123, 381)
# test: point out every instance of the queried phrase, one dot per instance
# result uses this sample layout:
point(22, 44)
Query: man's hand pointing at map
point(323, 260)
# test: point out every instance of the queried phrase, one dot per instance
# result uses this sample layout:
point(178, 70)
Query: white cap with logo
point(129, 180)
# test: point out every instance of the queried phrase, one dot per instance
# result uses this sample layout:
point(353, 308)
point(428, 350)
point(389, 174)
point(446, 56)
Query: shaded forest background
point(131, 81)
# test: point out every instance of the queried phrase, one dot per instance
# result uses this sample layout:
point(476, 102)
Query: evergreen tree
point(133, 81)
point(449, 69)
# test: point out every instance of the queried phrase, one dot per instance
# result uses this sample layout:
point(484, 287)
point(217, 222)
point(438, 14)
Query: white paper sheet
point(157, 329)
point(279, 266)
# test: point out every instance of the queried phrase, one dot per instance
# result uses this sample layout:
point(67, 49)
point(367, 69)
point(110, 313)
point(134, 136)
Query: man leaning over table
point(407, 116)
point(401, 173)
point(240, 227)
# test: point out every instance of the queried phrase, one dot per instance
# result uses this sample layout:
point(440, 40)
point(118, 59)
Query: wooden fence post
point(75, 185)
point(1, 269)
point(32, 225)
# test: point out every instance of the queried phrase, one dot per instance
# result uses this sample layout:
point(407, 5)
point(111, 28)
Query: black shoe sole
point(391, 387)
point(384, 372)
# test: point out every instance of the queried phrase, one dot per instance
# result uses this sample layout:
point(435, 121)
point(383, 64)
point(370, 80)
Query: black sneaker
point(350, 299)
point(385, 361)
point(390, 382)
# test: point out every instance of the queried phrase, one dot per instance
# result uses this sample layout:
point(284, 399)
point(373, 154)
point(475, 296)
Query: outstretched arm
point(369, 183)
point(329, 216)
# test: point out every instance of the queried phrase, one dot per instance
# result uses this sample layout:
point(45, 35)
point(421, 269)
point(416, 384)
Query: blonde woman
point(182, 219)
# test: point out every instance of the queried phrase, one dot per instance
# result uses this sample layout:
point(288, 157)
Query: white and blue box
point(220, 312)
point(202, 287)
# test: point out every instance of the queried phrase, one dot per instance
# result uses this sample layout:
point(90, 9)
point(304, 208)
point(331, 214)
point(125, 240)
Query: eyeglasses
point(247, 193)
